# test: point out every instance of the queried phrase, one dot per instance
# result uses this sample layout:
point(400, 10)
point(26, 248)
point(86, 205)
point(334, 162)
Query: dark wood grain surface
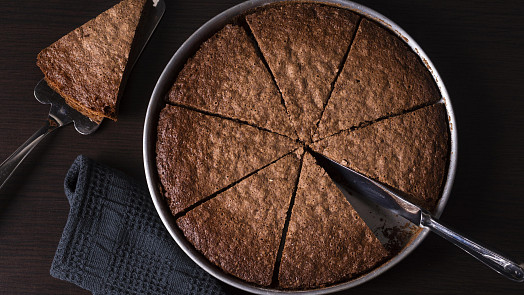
point(477, 47)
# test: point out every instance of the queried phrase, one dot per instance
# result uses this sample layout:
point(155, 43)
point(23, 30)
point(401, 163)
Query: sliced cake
point(240, 229)
point(227, 77)
point(408, 152)
point(199, 154)
point(230, 164)
point(86, 66)
point(381, 76)
point(327, 242)
point(304, 45)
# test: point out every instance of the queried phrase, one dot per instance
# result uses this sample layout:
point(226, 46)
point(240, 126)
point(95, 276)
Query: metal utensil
point(61, 114)
point(392, 200)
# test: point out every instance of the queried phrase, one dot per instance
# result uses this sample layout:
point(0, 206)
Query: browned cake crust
point(304, 45)
point(381, 76)
point(408, 152)
point(245, 177)
point(199, 154)
point(86, 66)
point(327, 241)
point(227, 77)
point(240, 229)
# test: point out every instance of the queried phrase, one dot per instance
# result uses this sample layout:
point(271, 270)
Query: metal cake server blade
point(61, 114)
point(392, 200)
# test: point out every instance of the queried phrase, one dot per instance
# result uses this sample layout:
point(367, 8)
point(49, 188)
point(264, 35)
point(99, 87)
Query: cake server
point(388, 198)
point(61, 114)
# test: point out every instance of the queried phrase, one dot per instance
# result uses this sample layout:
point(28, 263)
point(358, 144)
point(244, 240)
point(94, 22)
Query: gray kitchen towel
point(115, 243)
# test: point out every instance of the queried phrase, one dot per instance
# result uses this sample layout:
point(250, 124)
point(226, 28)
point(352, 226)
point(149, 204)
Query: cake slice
point(86, 66)
point(408, 152)
point(240, 229)
point(198, 154)
point(228, 78)
point(304, 45)
point(327, 242)
point(381, 76)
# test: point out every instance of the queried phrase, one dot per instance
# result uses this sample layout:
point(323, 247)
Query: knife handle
point(496, 261)
point(10, 164)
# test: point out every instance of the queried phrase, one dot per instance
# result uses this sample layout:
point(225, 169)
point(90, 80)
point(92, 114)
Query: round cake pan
point(156, 103)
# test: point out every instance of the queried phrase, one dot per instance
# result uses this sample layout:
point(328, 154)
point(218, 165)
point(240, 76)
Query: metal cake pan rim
point(165, 82)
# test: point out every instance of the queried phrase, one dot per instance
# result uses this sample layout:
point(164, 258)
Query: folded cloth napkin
point(115, 243)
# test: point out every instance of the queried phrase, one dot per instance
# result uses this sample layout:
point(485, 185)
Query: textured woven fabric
point(115, 243)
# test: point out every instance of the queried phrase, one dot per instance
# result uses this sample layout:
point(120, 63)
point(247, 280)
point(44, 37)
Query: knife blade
point(390, 199)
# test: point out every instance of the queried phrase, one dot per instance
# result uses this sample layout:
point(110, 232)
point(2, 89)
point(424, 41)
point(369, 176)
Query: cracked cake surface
point(198, 154)
point(381, 76)
point(408, 152)
point(327, 241)
point(304, 45)
point(240, 229)
point(227, 77)
point(86, 66)
point(228, 149)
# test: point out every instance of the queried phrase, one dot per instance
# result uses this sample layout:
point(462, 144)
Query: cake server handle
point(10, 164)
point(496, 261)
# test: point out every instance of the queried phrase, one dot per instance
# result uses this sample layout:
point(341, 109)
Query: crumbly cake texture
point(304, 46)
point(198, 154)
point(227, 77)
point(408, 152)
point(86, 66)
point(327, 241)
point(240, 229)
point(230, 183)
point(381, 76)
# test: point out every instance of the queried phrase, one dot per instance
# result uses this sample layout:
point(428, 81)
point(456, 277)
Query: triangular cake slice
point(227, 77)
point(381, 76)
point(327, 242)
point(304, 45)
point(240, 229)
point(86, 66)
point(408, 152)
point(198, 154)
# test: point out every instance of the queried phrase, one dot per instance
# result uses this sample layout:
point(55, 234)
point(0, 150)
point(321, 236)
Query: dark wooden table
point(477, 46)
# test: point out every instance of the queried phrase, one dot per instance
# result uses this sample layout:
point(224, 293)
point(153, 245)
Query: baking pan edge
point(157, 102)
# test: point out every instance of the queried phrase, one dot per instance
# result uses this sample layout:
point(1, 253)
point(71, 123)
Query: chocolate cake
point(86, 66)
point(408, 152)
point(228, 78)
point(327, 241)
point(240, 229)
point(227, 154)
point(381, 76)
point(304, 45)
point(198, 154)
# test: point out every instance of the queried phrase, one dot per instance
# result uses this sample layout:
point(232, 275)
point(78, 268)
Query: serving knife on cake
point(61, 114)
point(389, 199)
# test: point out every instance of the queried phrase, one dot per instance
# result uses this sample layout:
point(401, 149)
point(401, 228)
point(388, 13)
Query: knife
point(393, 201)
